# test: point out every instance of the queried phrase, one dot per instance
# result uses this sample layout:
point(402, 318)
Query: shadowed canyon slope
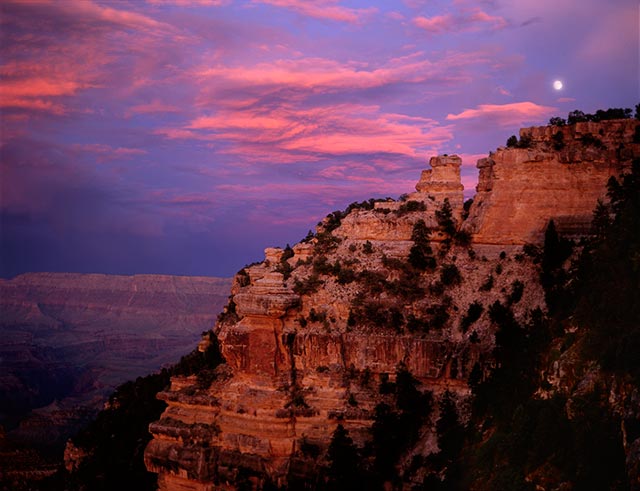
point(69, 339)
point(313, 334)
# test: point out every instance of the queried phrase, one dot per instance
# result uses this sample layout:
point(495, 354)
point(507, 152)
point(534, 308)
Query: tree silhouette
point(343, 472)
point(421, 254)
point(444, 217)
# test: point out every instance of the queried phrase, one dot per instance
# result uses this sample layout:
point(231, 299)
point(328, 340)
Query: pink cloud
point(294, 130)
point(492, 21)
point(308, 73)
point(436, 24)
point(332, 130)
point(49, 69)
point(506, 114)
point(91, 11)
point(40, 86)
point(247, 120)
point(87, 11)
point(322, 9)
point(333, 172)
point(31, 104)
point(466, 20)
point(190, 3)
point(324, 75)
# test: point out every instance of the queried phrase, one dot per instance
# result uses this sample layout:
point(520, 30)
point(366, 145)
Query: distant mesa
point(69, 339)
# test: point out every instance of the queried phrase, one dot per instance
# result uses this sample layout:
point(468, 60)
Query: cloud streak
point(323, 9)
point(514, 114)
point(469, 20)
point(321, 74)
point(330, 131)
point(77, 47)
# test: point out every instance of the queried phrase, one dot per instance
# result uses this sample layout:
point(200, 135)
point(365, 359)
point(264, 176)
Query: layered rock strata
point(560, 176)
point(302, 355)
point(311, 333)
point(442, 182)
point(439, 183)
point(436, 185)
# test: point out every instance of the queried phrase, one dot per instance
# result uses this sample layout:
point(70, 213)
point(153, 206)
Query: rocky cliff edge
point(312, 334)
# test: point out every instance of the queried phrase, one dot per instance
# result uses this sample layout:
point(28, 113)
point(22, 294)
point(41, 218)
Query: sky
point(185, 136)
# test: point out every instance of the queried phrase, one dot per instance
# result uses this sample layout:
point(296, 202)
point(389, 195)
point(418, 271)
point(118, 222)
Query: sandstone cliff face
point(381, 225)
point(305, 350)
point(559, 176)
point(311, 333)
point(442, 182)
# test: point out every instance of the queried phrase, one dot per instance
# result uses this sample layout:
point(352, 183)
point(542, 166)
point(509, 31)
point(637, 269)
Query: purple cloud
point(323, 9)
point(186, 135)
point(514, 114)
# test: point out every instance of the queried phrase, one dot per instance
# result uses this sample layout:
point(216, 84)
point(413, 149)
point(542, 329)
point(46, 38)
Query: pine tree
point(444, 217)
point(343, 472)
point(609, 302)
point(450, 435)
point(421, 254)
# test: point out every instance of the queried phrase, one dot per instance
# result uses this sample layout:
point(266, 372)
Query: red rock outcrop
point(560, 176)
point(297, 364)
point(442, 182)
point(310, 334)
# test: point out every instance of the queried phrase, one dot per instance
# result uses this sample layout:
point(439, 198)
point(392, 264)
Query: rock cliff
point(312, 334)
point(560, 174)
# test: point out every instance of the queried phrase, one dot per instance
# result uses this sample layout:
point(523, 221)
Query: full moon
point(557, 85)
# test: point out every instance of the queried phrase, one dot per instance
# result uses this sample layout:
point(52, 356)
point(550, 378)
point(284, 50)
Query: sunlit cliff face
point(312, 334)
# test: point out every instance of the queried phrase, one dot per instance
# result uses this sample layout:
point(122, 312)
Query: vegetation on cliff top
point(523, 430)
point(571, 436)
point(578, 116)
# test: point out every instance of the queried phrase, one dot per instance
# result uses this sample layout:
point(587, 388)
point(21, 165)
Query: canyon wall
point(560, 175)
point(311, 335)
point(69, 339)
